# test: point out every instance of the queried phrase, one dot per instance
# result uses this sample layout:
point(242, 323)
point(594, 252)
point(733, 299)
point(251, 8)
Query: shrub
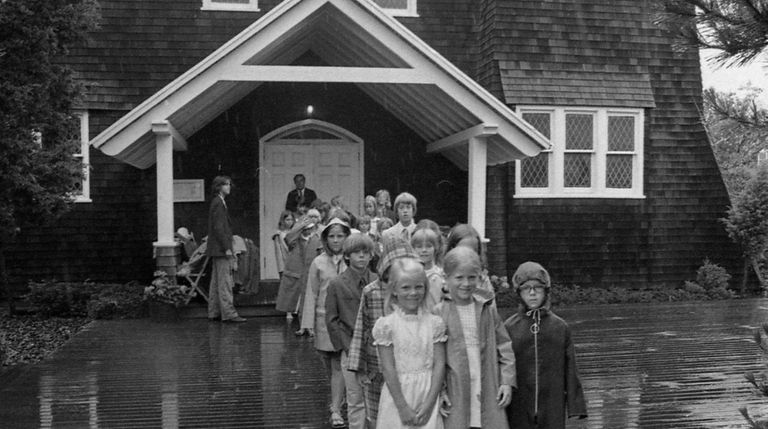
point(118, 301)
point(61, 299)
point(712, 276)
point(86, 299)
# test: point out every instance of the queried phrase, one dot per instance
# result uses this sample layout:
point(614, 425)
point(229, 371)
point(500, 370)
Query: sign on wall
point(188, 190)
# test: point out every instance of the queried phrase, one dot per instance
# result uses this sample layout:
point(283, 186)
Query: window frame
point(252, 6)
point(85, 187)
point(599, 151)
point(409, 11)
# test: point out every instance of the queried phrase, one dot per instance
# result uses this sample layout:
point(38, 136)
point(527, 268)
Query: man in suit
point(301, 196)
point(223, 260)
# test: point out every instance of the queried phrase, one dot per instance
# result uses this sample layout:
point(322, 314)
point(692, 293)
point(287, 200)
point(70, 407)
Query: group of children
point(418, 341)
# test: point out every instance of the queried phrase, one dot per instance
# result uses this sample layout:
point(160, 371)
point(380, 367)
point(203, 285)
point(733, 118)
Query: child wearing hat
point(547, 377)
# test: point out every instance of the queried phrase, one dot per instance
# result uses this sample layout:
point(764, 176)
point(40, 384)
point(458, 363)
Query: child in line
point(547, 376)
point(369, 209)
point(364, 226)
point(480, 363)
point(303, 248)
point(363, 357)
point(324, 268)
point(467, 236)
point(284, 225)
point(428, 245)
point(341, 305)
point(384, 206)
point(411, 345)
point(405, 208)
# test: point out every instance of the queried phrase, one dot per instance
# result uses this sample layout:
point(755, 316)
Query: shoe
point(288, 317)
point(337, 421)
point(300, 332)
point(237, 319)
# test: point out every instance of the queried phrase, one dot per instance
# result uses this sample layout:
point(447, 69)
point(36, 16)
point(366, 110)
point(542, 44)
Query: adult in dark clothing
point(223, 261)
point(301, 196)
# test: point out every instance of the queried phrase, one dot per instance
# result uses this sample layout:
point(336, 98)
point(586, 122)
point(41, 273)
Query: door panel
point(331, 167)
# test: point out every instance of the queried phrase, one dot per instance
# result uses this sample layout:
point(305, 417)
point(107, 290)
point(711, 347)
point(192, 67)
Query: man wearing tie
point(301, 196)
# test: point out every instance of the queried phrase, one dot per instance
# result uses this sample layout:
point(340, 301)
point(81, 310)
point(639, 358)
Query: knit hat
point(528, 271)
point(394, 247)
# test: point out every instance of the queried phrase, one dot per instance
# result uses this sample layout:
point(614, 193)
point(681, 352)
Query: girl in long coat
point(480, 364)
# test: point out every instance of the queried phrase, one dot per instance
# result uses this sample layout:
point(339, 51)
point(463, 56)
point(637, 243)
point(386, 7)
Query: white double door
point(332, 167)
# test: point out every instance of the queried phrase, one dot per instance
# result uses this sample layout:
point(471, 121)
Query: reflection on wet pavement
point(643, 366)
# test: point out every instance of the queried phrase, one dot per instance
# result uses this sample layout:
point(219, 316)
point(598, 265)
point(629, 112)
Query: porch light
point(310, 110)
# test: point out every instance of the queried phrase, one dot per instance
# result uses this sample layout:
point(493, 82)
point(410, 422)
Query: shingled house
point(567, 132)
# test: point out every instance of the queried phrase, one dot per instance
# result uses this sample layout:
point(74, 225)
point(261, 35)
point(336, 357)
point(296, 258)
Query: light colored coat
point(497, 365)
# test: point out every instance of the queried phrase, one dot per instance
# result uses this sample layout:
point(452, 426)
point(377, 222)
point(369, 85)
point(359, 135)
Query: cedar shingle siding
point(565, 53)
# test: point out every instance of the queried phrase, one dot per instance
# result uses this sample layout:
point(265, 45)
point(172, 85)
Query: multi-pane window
point(398, 7)
point(84, 194)
point(595, 153)
point(241, 5)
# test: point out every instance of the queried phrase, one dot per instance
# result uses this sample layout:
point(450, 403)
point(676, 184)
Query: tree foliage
point(747, 220)
point(738, 129)
point(38, 132)
point(738, 29)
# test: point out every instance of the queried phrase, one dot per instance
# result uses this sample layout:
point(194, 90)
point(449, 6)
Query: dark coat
point(219, 229)
point(292, 202)
point(558, 377)
point(496, 359)
point(342, 304)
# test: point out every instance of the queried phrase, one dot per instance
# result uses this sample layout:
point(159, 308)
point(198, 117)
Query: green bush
point(87, 299)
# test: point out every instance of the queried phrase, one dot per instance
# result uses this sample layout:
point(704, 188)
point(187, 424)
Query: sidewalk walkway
point(643, 366)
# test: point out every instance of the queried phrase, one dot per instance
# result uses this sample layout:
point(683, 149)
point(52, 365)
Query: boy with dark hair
point(341, 305)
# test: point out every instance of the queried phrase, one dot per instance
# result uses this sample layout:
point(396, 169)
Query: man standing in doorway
point(301, 196)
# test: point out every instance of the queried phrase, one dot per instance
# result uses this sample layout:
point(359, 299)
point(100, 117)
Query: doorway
point(329, 156)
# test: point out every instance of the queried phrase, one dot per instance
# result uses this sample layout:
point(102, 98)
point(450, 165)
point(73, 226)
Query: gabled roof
point(362, 46)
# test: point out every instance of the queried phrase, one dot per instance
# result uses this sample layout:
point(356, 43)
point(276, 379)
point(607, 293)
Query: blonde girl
point(480, 363)
point(411, 346)
point(428, 246)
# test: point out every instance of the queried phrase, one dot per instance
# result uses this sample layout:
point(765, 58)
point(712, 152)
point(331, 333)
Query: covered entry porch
point(349, 47)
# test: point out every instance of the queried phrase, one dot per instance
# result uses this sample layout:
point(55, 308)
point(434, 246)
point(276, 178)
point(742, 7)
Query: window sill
point(82, 199)
point(580, 196)
point(229, 9)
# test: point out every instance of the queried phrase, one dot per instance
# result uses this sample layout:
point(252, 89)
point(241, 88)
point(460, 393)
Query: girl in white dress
point(411, 346)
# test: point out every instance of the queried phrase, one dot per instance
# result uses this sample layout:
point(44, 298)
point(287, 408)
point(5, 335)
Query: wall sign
point(188, 190)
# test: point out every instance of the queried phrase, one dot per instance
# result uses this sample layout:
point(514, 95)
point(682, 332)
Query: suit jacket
point(219, 229)
point(292, 202)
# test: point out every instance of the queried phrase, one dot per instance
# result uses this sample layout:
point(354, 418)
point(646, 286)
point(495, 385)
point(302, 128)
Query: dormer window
point(236, 5)
point(398, 7)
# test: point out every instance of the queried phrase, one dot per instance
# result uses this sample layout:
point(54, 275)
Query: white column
point(478, 164)
point(164, 140)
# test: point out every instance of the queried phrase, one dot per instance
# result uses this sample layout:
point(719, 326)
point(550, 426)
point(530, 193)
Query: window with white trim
point(237, 5)
point(398, 7)
point(84, 194)
point(596, 152)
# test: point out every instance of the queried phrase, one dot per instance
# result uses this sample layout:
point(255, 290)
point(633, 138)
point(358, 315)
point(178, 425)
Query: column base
point(167, 256)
